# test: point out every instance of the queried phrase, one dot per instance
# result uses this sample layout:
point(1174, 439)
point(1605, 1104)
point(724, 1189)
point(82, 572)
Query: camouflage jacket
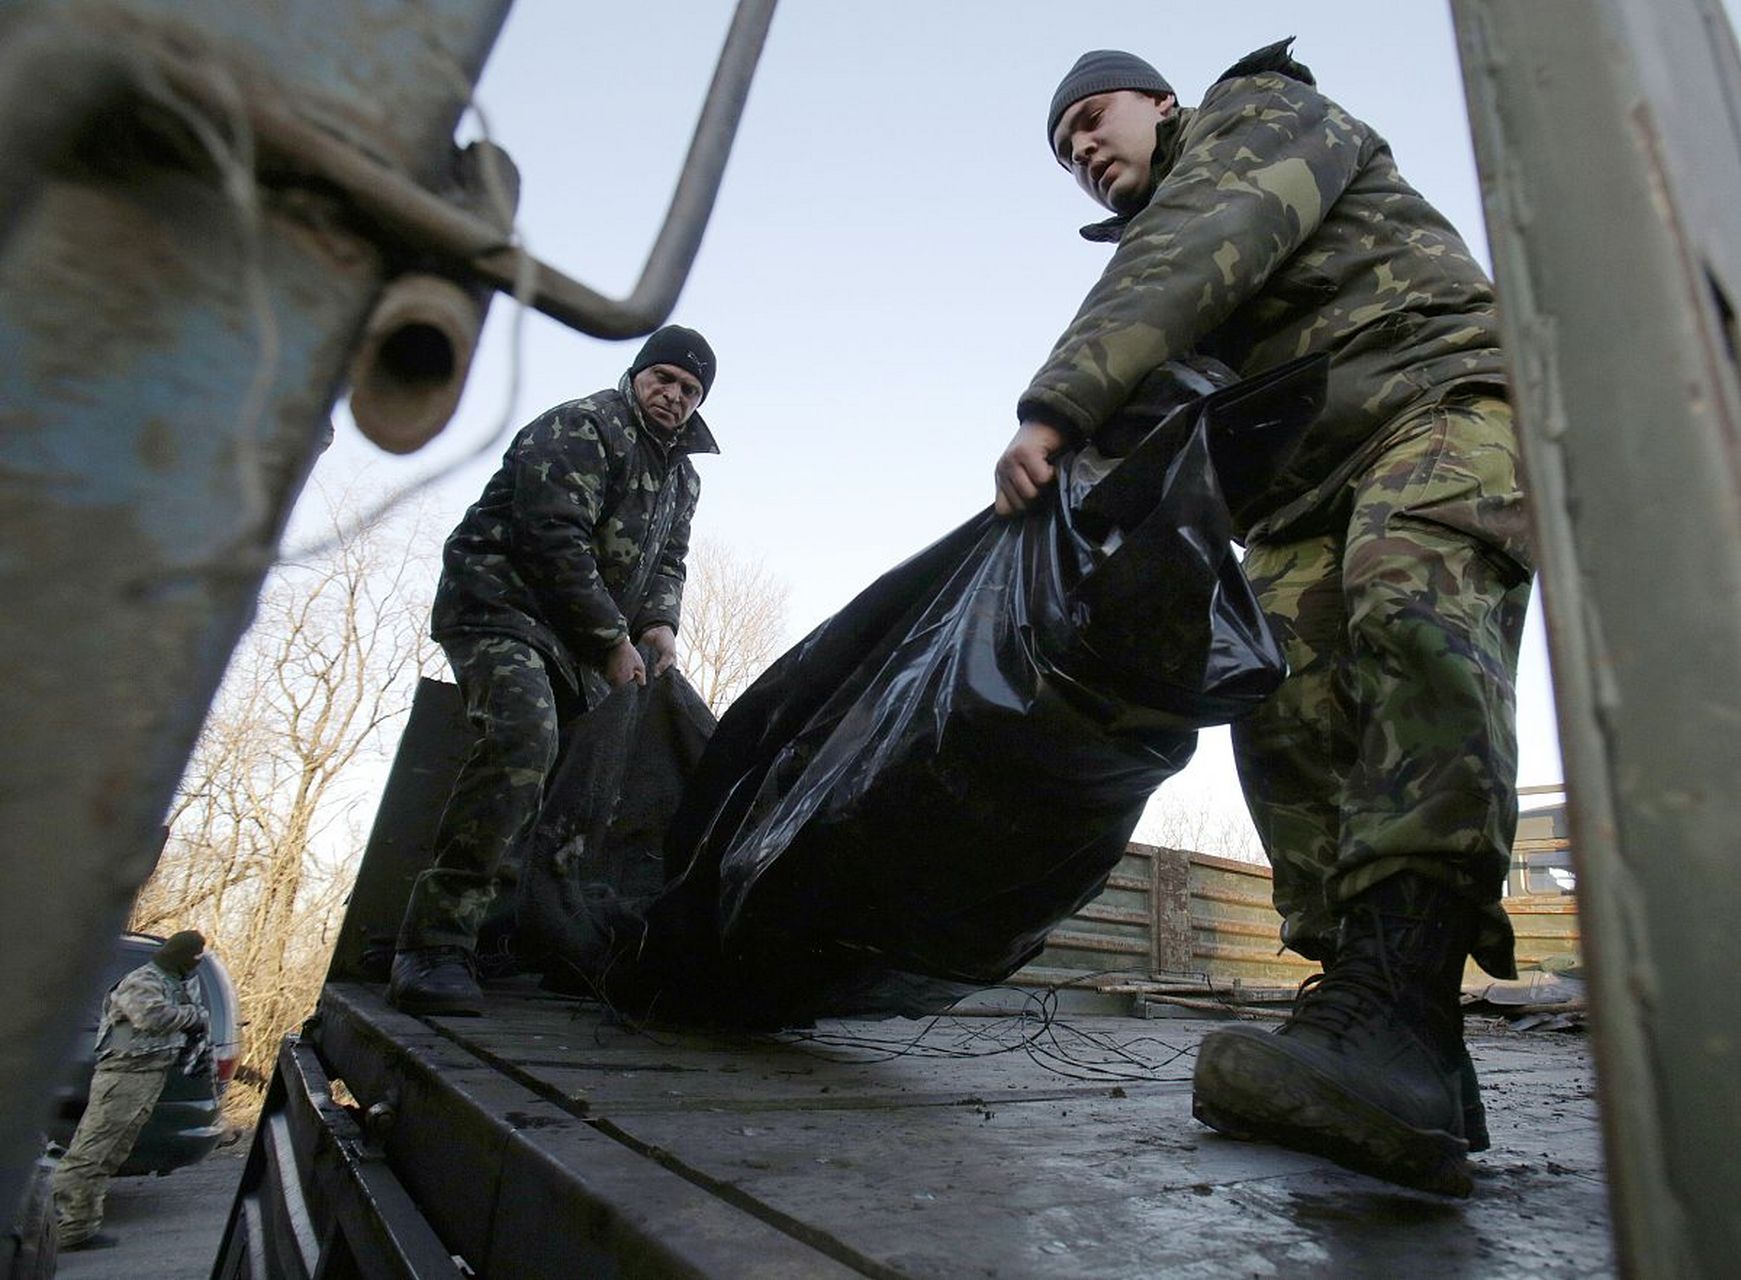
point(579, 538)
point(146, 1015)
point(1279, 226)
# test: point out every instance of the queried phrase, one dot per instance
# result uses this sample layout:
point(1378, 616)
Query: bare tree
point(1173, 822)
point(264, 836)
point(261, 851)
point(734, 622)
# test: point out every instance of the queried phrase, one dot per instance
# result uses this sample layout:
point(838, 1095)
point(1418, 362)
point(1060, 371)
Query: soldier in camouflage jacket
point(570, 562)
point(150, 1022)
point(1392, 556)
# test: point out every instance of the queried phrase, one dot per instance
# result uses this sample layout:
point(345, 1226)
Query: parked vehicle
point(185, 1126)
point(1541, 857)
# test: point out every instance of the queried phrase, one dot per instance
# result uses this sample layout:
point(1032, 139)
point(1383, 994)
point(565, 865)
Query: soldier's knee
point(528, 741)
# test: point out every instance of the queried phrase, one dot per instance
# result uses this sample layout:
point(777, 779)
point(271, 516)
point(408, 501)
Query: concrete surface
point(167, 1228)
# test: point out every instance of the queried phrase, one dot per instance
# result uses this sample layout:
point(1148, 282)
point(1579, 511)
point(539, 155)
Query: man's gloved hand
point(623, 665)
point(1026, 465)
point(663, 642)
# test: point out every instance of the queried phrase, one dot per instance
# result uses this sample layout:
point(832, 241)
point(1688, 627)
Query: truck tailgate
point(546, 1139)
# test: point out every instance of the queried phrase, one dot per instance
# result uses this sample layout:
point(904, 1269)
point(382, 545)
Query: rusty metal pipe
point(38, 126)
point(418, 219)
point(411, 367)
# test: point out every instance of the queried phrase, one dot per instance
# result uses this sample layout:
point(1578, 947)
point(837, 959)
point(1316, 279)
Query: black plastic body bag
point(904, 805)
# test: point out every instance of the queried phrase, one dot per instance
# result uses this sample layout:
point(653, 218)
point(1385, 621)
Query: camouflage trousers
point(516, 711)
point(120, 1102)
point(1392, 746)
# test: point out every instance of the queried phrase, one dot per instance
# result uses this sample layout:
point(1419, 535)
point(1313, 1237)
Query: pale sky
point(892, 254)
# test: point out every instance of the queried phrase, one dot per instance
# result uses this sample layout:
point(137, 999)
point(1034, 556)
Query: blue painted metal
point(199, 203)
point(168, 367)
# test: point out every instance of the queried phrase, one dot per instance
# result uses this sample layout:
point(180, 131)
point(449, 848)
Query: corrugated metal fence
point(1177, 914)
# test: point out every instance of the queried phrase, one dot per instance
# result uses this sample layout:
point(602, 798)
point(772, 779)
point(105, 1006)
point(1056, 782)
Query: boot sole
point(1261, 1094)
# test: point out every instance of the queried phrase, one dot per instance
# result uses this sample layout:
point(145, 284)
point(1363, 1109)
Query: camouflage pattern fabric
point(579, 538)
point(1279, 227)
point(517, 714)
point(122, 1095)
point(1392, 746)
point(147, 1015)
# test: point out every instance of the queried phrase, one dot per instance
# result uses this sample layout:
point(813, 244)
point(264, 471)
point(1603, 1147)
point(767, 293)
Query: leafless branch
point(734, 622)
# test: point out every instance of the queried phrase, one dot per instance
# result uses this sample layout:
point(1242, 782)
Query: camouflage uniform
point(1392, 552)
point(145, 1026)
point(578, 541)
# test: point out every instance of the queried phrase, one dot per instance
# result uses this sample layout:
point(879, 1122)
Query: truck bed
point(549, 1139)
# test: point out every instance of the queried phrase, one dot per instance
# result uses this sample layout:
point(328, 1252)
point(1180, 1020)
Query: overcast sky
point(892, 254)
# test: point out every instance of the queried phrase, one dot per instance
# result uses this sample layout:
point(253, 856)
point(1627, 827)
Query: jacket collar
point(695, 437)
point(1169, 142)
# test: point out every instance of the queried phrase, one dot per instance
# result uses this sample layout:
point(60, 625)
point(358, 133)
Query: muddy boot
point(1369, 1069)
point(436, 980)
point(1474, 1113)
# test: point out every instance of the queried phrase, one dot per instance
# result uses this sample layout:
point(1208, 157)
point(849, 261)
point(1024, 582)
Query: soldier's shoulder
point(1264, 100)
point(1237, 92)
point(610, 401)
point(606, 411)
point(598, 404)
point(145, 977)
point(602, 416)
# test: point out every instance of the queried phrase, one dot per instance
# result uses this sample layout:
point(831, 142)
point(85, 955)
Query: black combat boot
point(436, 980)
point(1369, 1069)
point(1323, 950)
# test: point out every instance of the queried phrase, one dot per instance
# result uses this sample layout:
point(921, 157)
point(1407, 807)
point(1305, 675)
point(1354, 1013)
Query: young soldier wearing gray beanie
point(1393, 555)
point(1104, 71)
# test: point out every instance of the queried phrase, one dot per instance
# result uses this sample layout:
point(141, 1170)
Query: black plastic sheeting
point(607, 809)
point(908, 801)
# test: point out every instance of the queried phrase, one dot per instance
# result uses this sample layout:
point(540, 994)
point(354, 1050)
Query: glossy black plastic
point(906, 803)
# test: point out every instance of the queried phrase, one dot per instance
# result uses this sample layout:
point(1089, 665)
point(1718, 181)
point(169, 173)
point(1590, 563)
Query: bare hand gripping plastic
point(911, 798)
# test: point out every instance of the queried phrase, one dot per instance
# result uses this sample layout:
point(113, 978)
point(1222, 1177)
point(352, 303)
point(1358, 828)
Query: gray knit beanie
point(1101, 71)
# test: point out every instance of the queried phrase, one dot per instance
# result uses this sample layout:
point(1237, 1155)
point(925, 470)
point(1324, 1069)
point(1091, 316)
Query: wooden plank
point(1102, 914)
point(1233, 866)
point(1014, 1147)
point(478, 1150)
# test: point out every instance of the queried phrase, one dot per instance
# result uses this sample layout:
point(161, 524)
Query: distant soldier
point(150, 1023)
point(1392, 555)
point(573, 557)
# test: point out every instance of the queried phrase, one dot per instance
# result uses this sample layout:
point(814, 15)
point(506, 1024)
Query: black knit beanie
point(682, 347)
point(1101, 71)
point(179, 951)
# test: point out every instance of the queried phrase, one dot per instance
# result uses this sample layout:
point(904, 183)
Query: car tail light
point(225, 1060)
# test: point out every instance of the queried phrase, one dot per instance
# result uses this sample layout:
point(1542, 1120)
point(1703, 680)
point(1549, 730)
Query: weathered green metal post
point(1609, 139)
